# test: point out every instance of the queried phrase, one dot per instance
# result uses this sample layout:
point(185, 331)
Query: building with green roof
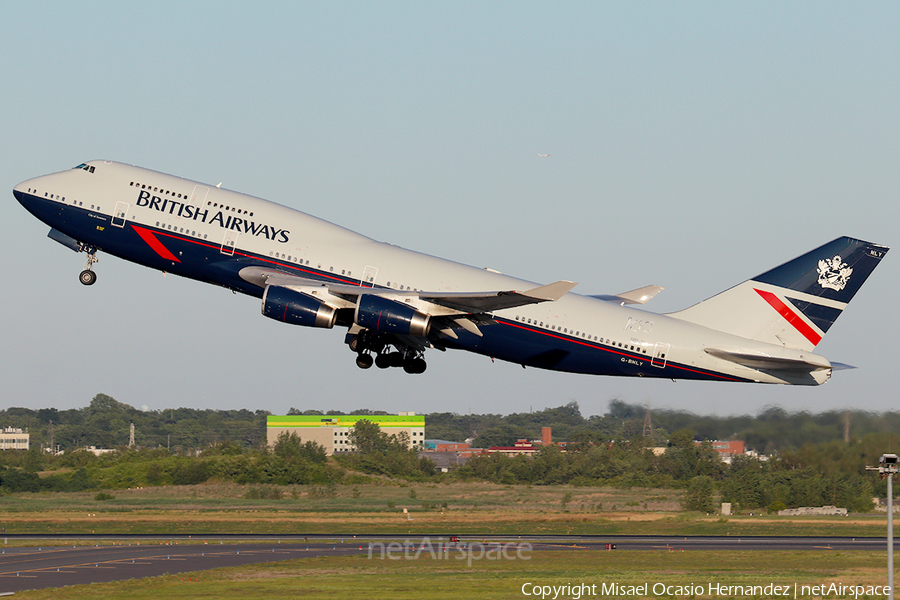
point(332, 431)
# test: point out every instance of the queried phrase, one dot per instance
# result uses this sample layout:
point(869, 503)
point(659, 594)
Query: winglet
point(640, 295)
point(550, 292)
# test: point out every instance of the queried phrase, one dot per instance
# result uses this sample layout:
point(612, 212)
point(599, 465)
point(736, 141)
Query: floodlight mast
point(888, 465)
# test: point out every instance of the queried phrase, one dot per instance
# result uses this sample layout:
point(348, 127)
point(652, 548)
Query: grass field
point(450, 579)
point(463, 509)
point(470, 508)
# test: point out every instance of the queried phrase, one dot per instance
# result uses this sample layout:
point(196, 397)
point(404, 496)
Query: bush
point(190, 472)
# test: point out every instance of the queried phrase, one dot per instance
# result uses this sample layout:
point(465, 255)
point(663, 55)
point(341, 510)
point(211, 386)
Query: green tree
point(289, 447)
point(502, 435)
point(699, 495)
point(367, 437)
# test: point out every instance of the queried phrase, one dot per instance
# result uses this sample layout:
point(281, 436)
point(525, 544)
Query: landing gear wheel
point(364, 361)
point(383, 361)
point(415, 366)
point(395, 359)
point(87, 277)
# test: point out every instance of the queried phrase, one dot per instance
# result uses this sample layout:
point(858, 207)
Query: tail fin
point(794, 304)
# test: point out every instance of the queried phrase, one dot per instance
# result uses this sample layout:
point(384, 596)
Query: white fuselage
point(209, 234)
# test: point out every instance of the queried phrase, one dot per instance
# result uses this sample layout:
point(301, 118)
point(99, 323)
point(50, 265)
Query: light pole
point(887, 466)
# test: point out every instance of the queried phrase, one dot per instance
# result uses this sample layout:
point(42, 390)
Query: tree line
point(815, 459)
point(105, 423)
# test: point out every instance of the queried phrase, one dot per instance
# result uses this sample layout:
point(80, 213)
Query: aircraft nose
point(26, 191)
point(20, 192)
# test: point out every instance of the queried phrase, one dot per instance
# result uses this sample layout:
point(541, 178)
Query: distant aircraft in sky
point(539, 154)
point(395, 303)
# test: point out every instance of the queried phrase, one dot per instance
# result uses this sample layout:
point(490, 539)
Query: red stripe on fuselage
point(670, 365)
point(791, 317)
point(282, 264)
point(154, 243)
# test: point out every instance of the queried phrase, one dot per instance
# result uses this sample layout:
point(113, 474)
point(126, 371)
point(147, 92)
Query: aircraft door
point(368, 278)
point(120, 214)
point(198, 196)
point(660, 355)
point(228, 242)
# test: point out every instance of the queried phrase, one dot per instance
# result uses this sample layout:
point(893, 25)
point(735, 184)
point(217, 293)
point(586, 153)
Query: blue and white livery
point(395, 303)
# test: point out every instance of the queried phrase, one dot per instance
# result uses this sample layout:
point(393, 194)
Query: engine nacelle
point(389, 316)
point(289, 306)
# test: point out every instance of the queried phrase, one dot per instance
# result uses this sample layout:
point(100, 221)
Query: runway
point(109, 558)
point(38, 567)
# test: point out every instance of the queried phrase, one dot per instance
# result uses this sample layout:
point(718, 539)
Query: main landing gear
point(88, 277)
point(365, 344)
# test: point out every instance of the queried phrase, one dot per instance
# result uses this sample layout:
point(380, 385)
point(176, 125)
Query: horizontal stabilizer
point(811, 362)
point(638, 296)
point(841, 366)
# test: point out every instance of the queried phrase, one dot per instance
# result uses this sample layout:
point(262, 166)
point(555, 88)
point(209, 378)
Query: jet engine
point(389, 316)
point(290, 306)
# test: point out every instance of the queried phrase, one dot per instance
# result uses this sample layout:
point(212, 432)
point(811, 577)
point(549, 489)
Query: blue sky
point(692, 146)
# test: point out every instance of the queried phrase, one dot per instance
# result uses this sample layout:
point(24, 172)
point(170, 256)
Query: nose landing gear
point(87, 276)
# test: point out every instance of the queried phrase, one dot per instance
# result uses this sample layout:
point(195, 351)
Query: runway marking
point(50, 570)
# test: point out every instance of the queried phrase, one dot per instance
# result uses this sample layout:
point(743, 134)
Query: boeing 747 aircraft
point(396, 303)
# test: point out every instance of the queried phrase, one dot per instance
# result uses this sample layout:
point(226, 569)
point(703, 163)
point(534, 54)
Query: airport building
point(12, 438)
point(332, 432)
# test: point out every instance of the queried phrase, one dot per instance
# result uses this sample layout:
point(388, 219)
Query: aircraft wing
point(638, 296)
point(485, 302)
point(458, 302)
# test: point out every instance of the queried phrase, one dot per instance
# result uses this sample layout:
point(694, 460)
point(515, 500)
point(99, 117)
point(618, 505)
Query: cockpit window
point(85, 167)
